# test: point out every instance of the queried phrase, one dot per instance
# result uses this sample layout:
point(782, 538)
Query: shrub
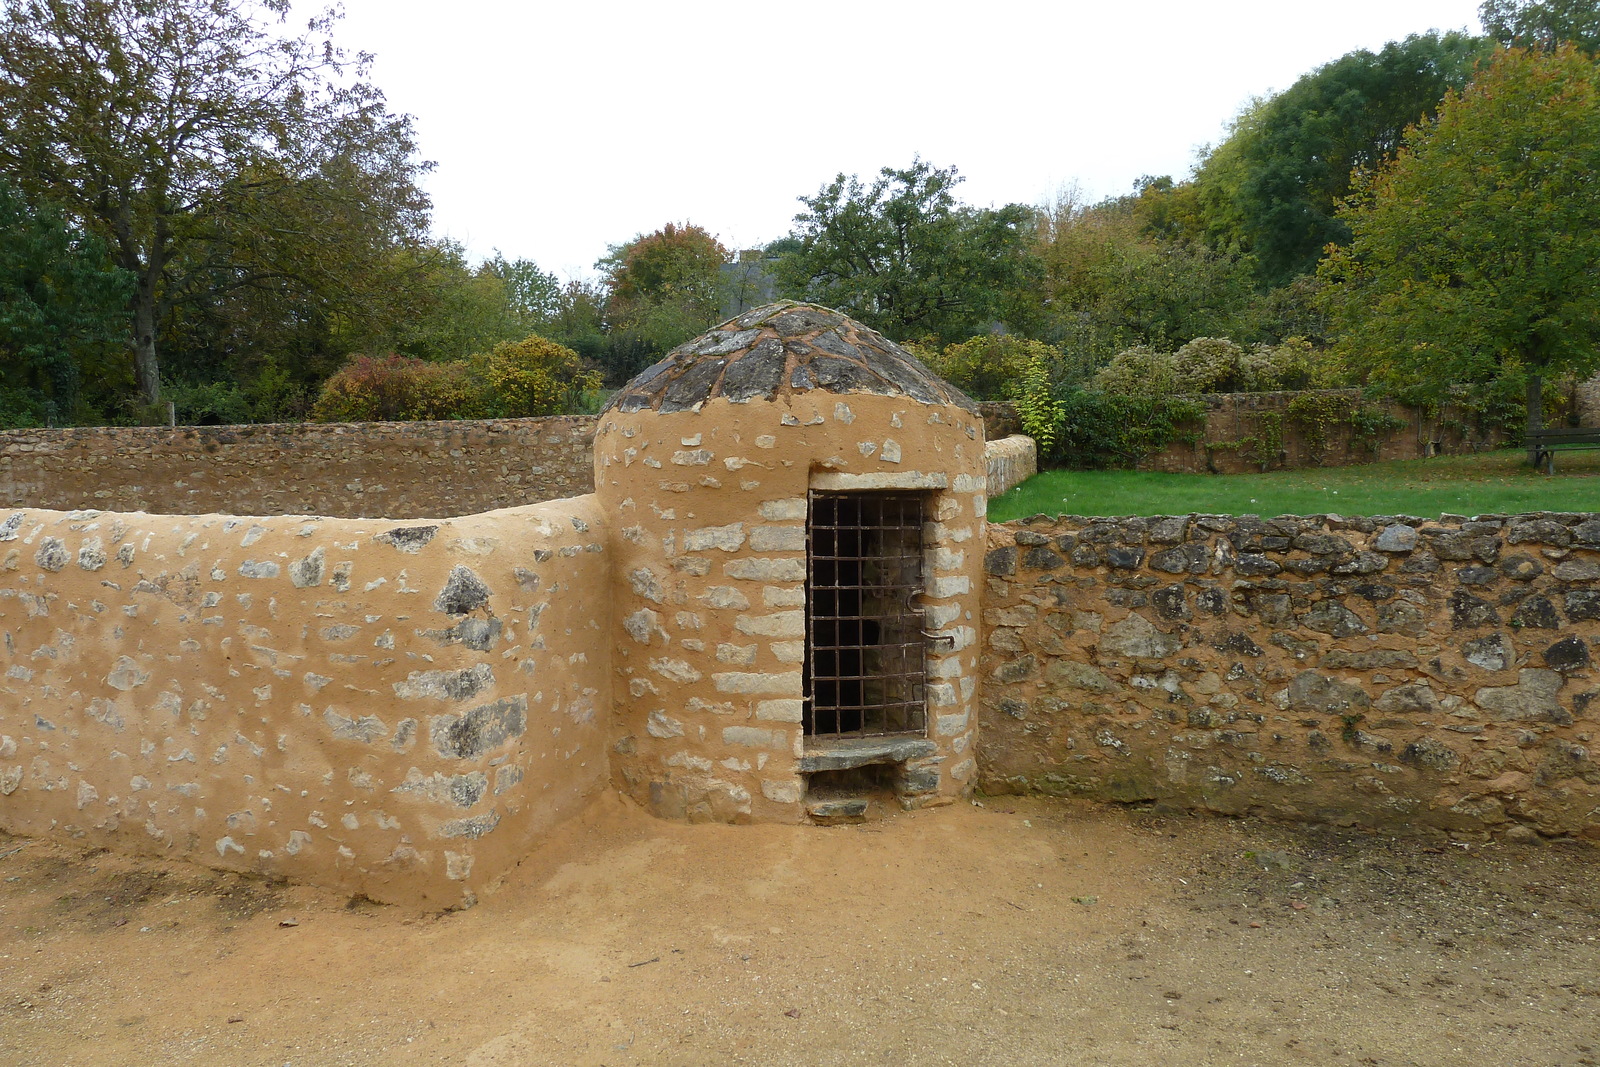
point(536, 376)
point(990, 366)
point(1207, 365)
point(397, 388)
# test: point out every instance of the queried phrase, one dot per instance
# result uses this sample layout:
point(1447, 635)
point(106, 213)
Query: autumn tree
point(1472, 254)
point(905, 256)
point(661, 289)
point(202, 147)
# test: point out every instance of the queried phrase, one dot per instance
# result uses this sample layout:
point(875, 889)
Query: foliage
point(904, 256)
point(1272, 187)
point(536, 376)
point(1107, 430)
point(212, 155)
point(63, 319)
point(396, 388)
point(661, 289)
point(1472, 254)
point(989, 367)
point(1208, 365)
point(1542, 23)
point(1112, 276)
point(1321, 414)
point(1040, 413)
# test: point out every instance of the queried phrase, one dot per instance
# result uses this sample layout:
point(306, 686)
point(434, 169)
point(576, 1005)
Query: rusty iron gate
point(865, 668)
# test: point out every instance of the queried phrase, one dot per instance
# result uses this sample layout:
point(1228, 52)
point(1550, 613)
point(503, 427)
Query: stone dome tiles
point(783, 349)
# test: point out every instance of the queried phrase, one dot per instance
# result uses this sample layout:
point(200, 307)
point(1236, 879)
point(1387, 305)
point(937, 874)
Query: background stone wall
point(1390, 671)
point(349, 470)
point(395, 710)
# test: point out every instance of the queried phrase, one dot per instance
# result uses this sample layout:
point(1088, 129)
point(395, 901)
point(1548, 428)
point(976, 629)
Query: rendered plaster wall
point(1389, 672)
point(710, 507)
point(394, 709)
point(353, 470)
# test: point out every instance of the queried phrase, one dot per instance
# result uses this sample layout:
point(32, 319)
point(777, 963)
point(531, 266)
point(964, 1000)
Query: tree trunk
point(1535, 415)
point(146, 367)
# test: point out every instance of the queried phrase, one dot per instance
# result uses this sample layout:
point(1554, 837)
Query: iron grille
point(865, 650)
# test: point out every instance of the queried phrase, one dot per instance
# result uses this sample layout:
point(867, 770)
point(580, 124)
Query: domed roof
point(784, 349)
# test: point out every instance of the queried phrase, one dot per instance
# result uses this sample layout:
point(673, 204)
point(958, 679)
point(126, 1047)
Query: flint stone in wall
point(307, 572)
point(474, 827)
point(1492, 653)
point(1468, 611)
point(1168, 531)
point(1568, 654)
point(1574, 570)
point(476, 634)
point(1077, 675)
point(1429, 753)
point(1311, 691)
point(1171, 603)
point(1582, 605)
point(1001, 562)
point(1401, 618)
point(1477, 576)
point(1029, 538)
point(1533, 698)
point(1124, 558)
point(1539, 531)
point(1361, 563)
point(1378, 659)
point(52, 554)
point(1322, 544)
point(1236, 643)
point(91, 556)
point(1017, 670)
point(446, 685)
point(1408, 698)
point(462, 790)
point(407, 538)
point(1421, 563)
point(470, 735)
point(1040, 558)
point(1252, 565)
point(1521, 568)
point(1458, 547)
point(1586, 533)
point(9, 528)
point(1398, 538)
point(463, 592)
point(1332, 618)
point(1136, 637)
point(1536, 612)
point(252, 568)
point(367, 729)
point(1193, 558)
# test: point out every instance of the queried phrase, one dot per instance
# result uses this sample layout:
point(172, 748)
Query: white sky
point(562, 127)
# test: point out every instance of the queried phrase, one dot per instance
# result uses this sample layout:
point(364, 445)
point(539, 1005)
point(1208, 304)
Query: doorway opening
point(865, 650)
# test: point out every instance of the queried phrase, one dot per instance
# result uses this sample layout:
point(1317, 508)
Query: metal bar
point(865, 646)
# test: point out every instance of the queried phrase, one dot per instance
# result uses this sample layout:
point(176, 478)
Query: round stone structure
point(799, 511)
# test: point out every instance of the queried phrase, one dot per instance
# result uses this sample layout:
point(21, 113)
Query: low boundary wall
point(1389, 672)
point(394, 710)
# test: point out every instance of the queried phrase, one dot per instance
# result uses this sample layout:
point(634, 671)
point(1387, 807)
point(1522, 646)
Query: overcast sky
point(561, 128)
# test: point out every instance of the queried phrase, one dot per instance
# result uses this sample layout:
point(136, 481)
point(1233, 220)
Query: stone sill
point(846, 753)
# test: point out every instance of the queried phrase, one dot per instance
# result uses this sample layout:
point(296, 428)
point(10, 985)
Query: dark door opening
point(864, 644)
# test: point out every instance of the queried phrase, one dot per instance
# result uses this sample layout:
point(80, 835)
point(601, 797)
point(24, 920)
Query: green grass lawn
point(1486, 483)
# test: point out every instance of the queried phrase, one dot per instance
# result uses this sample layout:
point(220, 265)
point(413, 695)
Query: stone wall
point(394, 710)
point(1586, 401)
point(353, 470)
point(1235, 439)
point(1010, 461)
point(1390, 672)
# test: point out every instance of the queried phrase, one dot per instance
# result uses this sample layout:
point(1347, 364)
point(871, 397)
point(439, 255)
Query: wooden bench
point(1544, 442)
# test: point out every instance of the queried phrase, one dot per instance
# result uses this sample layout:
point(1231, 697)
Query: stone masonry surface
point(1388, 671)
point(393, 709)
point(350, 470)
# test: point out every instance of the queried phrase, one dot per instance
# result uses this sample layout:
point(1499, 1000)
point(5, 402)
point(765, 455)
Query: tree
point(1543, 23)
point(1472, 254)
point(904, 256)
point(1272, 187)
point(661, 289)
point(172, 127)
point(63, 318)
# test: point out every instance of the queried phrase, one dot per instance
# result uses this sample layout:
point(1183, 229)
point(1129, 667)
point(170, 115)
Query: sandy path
point(1020, 933)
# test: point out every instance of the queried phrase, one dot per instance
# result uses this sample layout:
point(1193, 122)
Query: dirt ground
point(1020, 932)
